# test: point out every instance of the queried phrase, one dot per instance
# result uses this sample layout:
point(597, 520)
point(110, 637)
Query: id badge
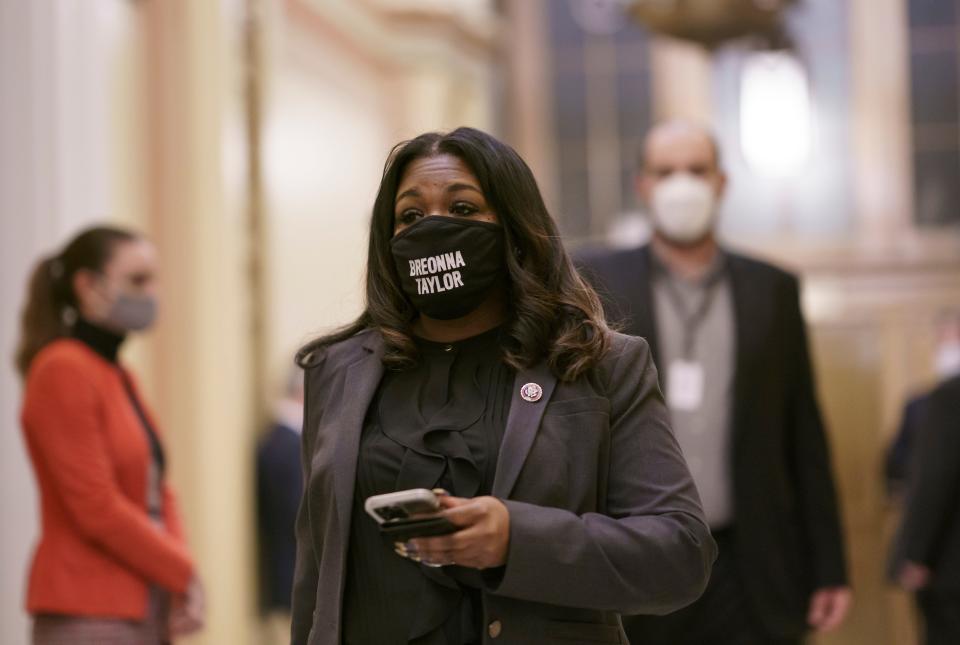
point(685, 385)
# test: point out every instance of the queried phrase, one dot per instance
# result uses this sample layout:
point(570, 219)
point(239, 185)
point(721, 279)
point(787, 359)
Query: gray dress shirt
point(695, 323)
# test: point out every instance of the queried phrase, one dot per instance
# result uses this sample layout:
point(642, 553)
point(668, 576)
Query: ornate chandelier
point(711, 22)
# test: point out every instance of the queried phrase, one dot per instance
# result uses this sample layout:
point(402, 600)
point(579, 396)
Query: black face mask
point(448, 265)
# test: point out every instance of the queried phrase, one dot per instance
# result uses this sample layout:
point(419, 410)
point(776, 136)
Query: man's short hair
point(708, 132)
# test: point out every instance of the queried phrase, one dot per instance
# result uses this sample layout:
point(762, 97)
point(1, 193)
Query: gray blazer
point(604, 516)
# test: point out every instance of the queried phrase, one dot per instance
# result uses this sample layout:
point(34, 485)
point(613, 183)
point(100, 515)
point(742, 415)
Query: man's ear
point(643, 186)
point(721, 183)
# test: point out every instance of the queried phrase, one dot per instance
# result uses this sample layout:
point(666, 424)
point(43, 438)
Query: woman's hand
point(480, 543)
point(188, 613)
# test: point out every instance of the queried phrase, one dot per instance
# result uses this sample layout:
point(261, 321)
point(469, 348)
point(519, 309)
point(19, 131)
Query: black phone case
point(403, 530)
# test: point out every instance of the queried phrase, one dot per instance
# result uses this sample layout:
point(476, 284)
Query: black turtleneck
point(101, 340)
point(107, 344)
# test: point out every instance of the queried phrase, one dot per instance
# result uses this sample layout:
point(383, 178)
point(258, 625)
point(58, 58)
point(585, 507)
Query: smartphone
point(408, 514)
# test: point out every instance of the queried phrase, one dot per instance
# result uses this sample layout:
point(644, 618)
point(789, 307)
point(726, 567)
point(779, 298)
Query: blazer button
point(494, 628)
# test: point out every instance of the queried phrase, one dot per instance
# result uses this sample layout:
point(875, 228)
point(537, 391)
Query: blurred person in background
point(946, 365)
point(279, 486)
point(111, 565)
point(728, 334)
point(482, 365)
point(926, 554)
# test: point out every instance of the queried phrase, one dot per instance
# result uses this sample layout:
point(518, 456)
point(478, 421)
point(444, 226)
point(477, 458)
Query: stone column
point(203, 349)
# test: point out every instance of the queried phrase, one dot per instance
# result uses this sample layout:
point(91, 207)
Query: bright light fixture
point(776, 120)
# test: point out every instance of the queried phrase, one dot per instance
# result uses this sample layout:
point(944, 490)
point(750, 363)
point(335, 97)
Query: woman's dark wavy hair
point(553, 314)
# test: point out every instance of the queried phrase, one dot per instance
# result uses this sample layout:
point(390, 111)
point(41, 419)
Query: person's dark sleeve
point(290, 495)
point(651, 551)
point(279, 486)
point(305, 576)
point(895, 464)
point(809, 454)
point(285, 472)
point(263, 532)
point(934, 482)
point(899, 455)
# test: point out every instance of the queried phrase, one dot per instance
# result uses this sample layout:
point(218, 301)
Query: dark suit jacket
point(279, 484)
point(788, 537)
point(930, 532)
point(604, 517)
point(899, 455)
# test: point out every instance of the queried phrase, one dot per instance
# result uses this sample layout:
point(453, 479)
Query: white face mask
point(683, 208)
point(947, 361)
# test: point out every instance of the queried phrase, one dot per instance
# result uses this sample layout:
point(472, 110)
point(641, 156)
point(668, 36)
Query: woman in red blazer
point(111, 565)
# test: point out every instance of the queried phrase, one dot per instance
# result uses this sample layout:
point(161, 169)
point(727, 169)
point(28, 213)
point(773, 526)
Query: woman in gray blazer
point(482, 365)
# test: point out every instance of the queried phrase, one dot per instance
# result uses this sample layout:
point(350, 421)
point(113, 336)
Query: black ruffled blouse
point(438, 424)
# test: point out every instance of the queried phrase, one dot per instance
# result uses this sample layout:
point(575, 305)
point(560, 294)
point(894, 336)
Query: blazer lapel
point(748, 332)
point(362, 380)
point(523, 422)
point(646, 320)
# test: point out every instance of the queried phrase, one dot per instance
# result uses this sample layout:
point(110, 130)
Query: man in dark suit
point(946, 364)
point(897, 461)
point(279, 487)
point(927, 555)
point(728, 337)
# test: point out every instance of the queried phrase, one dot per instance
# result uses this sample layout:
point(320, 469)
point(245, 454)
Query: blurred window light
point(776, 120)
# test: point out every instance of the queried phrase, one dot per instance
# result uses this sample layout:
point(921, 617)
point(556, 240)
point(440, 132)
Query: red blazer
point(98, 548)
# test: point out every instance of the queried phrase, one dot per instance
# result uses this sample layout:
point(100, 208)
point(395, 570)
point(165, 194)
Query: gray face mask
point(132, 313)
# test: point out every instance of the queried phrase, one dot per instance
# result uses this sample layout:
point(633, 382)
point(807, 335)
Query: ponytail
point(42, 320)
point(51, 305)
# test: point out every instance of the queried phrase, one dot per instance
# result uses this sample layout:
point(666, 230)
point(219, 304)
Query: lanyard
point(156, 448)
point(691, 320)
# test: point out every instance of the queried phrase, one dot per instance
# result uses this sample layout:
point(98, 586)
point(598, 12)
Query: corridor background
point(247, 138)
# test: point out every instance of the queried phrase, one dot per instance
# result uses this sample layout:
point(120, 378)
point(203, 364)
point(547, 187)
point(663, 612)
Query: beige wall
point(402, 68)
point(325, 133)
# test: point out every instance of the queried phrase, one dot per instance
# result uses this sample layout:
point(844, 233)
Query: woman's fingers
point(448, 501)
point(466, 516)
point(463, 512)
point(481, 543)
